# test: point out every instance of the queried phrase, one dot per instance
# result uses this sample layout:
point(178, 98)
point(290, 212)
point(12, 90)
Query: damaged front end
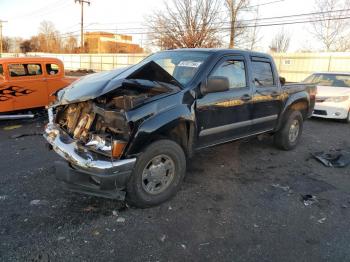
point(93, 133)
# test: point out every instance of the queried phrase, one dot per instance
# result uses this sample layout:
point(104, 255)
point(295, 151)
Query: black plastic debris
point(308, 199)
point(340, 158)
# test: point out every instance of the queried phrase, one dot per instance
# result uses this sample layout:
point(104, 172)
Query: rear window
point(24, 70)
point(52, 69)
point(262, 74)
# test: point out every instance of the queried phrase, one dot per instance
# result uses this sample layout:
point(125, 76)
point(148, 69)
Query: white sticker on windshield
point(189, 64)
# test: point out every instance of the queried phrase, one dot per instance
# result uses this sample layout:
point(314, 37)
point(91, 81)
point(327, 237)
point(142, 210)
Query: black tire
point(282, 138)
point(137, 194)
point(347, 120)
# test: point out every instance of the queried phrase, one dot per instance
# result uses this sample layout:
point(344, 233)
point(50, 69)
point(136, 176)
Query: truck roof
point(223, 51)
point(28, 59)
point(333, 73)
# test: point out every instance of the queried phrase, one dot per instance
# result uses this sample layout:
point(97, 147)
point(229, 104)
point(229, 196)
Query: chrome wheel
point(158, 174)
point(294, 131)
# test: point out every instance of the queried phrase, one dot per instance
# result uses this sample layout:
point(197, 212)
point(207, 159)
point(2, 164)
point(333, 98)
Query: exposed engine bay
point(100, 124)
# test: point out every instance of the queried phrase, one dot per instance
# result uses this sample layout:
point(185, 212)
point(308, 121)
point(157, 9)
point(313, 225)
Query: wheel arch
point(176, 124)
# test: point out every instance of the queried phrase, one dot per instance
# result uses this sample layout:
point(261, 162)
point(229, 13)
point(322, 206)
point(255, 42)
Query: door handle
point(246, 97)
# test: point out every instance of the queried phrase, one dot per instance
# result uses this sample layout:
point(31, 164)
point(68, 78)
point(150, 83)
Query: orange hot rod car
point(29, 82)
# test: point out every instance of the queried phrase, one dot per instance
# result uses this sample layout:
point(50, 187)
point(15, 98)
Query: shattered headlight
point(337, 99)
point(113, 147)
point(99, 143)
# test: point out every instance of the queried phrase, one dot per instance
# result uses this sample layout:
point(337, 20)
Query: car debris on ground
point(308, 199)
point(338, 158)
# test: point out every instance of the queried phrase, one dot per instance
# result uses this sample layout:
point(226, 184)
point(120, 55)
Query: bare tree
point(252, 35)
point(71, 44)
point(332, 30)
point(280, 43)
point(234, 8)
point(49, 38)
point(186, 23)
point(6, 44)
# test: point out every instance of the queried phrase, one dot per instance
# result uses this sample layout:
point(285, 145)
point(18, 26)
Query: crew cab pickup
point(126, 133)
point(29, 82)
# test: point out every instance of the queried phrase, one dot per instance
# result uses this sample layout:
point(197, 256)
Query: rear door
point(267, 97)
point(28, 84)
point(224, 116)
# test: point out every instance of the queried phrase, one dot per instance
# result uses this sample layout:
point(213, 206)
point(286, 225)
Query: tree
point(6, 44)
point(25, 46)
point(186, 23)
point(234, 8)
point(332, 30)
point(49, 38)
point(280, 43)
point(70, 44)
point(251, 35)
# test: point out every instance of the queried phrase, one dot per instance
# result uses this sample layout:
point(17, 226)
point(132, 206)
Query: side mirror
point(282, 81)
point(215, 84)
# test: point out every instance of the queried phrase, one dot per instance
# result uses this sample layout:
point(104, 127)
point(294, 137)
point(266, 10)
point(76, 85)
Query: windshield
point(182, 65)
point(337, 80)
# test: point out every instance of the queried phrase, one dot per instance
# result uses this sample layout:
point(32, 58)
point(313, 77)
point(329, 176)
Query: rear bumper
point(88, 172)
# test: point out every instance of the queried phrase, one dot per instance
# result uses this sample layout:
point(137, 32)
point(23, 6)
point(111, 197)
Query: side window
point(34, 69)
point(234, 70)
point(17, 70)
point(52, 69)
point(262, 74)
point(1, 70)
point(24, 70)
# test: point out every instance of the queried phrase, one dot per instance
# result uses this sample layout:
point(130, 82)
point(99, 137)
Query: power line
point(249, 26)
point(246, 20)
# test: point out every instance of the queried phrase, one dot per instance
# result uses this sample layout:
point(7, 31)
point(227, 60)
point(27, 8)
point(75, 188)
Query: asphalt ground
point(240, 201)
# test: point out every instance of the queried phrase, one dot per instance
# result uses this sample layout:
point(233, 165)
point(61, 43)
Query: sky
point(25, 16)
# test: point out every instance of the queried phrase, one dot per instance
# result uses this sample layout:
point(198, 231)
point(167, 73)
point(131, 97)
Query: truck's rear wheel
point(288, 136)
point(157, 174)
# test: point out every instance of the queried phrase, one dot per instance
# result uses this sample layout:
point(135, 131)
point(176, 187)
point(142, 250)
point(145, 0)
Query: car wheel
point(289, 135)
point(347, 120)
point(157, 175)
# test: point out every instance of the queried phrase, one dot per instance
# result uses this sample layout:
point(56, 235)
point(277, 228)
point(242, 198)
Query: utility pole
point(82, 2)
point(1, 21)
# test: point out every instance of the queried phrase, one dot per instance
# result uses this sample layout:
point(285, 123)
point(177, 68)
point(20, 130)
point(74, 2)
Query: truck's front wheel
point(288, 136)
point(157, 175)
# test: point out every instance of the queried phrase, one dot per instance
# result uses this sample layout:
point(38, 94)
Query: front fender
point(159, 124)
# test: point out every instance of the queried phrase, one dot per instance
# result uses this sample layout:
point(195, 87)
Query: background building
point(103, 42)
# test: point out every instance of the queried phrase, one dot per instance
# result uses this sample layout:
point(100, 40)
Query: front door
point(267, 100)
point(28, 85)
point(224, 116)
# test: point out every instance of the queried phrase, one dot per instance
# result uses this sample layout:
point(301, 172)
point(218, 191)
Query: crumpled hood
point(329, 91)
point(98, 84)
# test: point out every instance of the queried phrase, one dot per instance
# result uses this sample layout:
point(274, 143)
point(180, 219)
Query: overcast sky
point(24, 17)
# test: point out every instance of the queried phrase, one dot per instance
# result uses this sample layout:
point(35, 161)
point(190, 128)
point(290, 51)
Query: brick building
point(104, 42)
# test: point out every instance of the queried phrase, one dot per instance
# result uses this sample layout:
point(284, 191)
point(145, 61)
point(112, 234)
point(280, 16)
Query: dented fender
point(168, 116)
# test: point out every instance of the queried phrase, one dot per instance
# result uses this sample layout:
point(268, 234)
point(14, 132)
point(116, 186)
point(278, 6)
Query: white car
point(333, 95)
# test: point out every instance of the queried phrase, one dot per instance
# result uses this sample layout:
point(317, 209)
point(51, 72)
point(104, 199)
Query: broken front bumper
point(88, 172)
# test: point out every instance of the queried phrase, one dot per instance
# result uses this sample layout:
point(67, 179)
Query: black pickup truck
point(126, 133)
